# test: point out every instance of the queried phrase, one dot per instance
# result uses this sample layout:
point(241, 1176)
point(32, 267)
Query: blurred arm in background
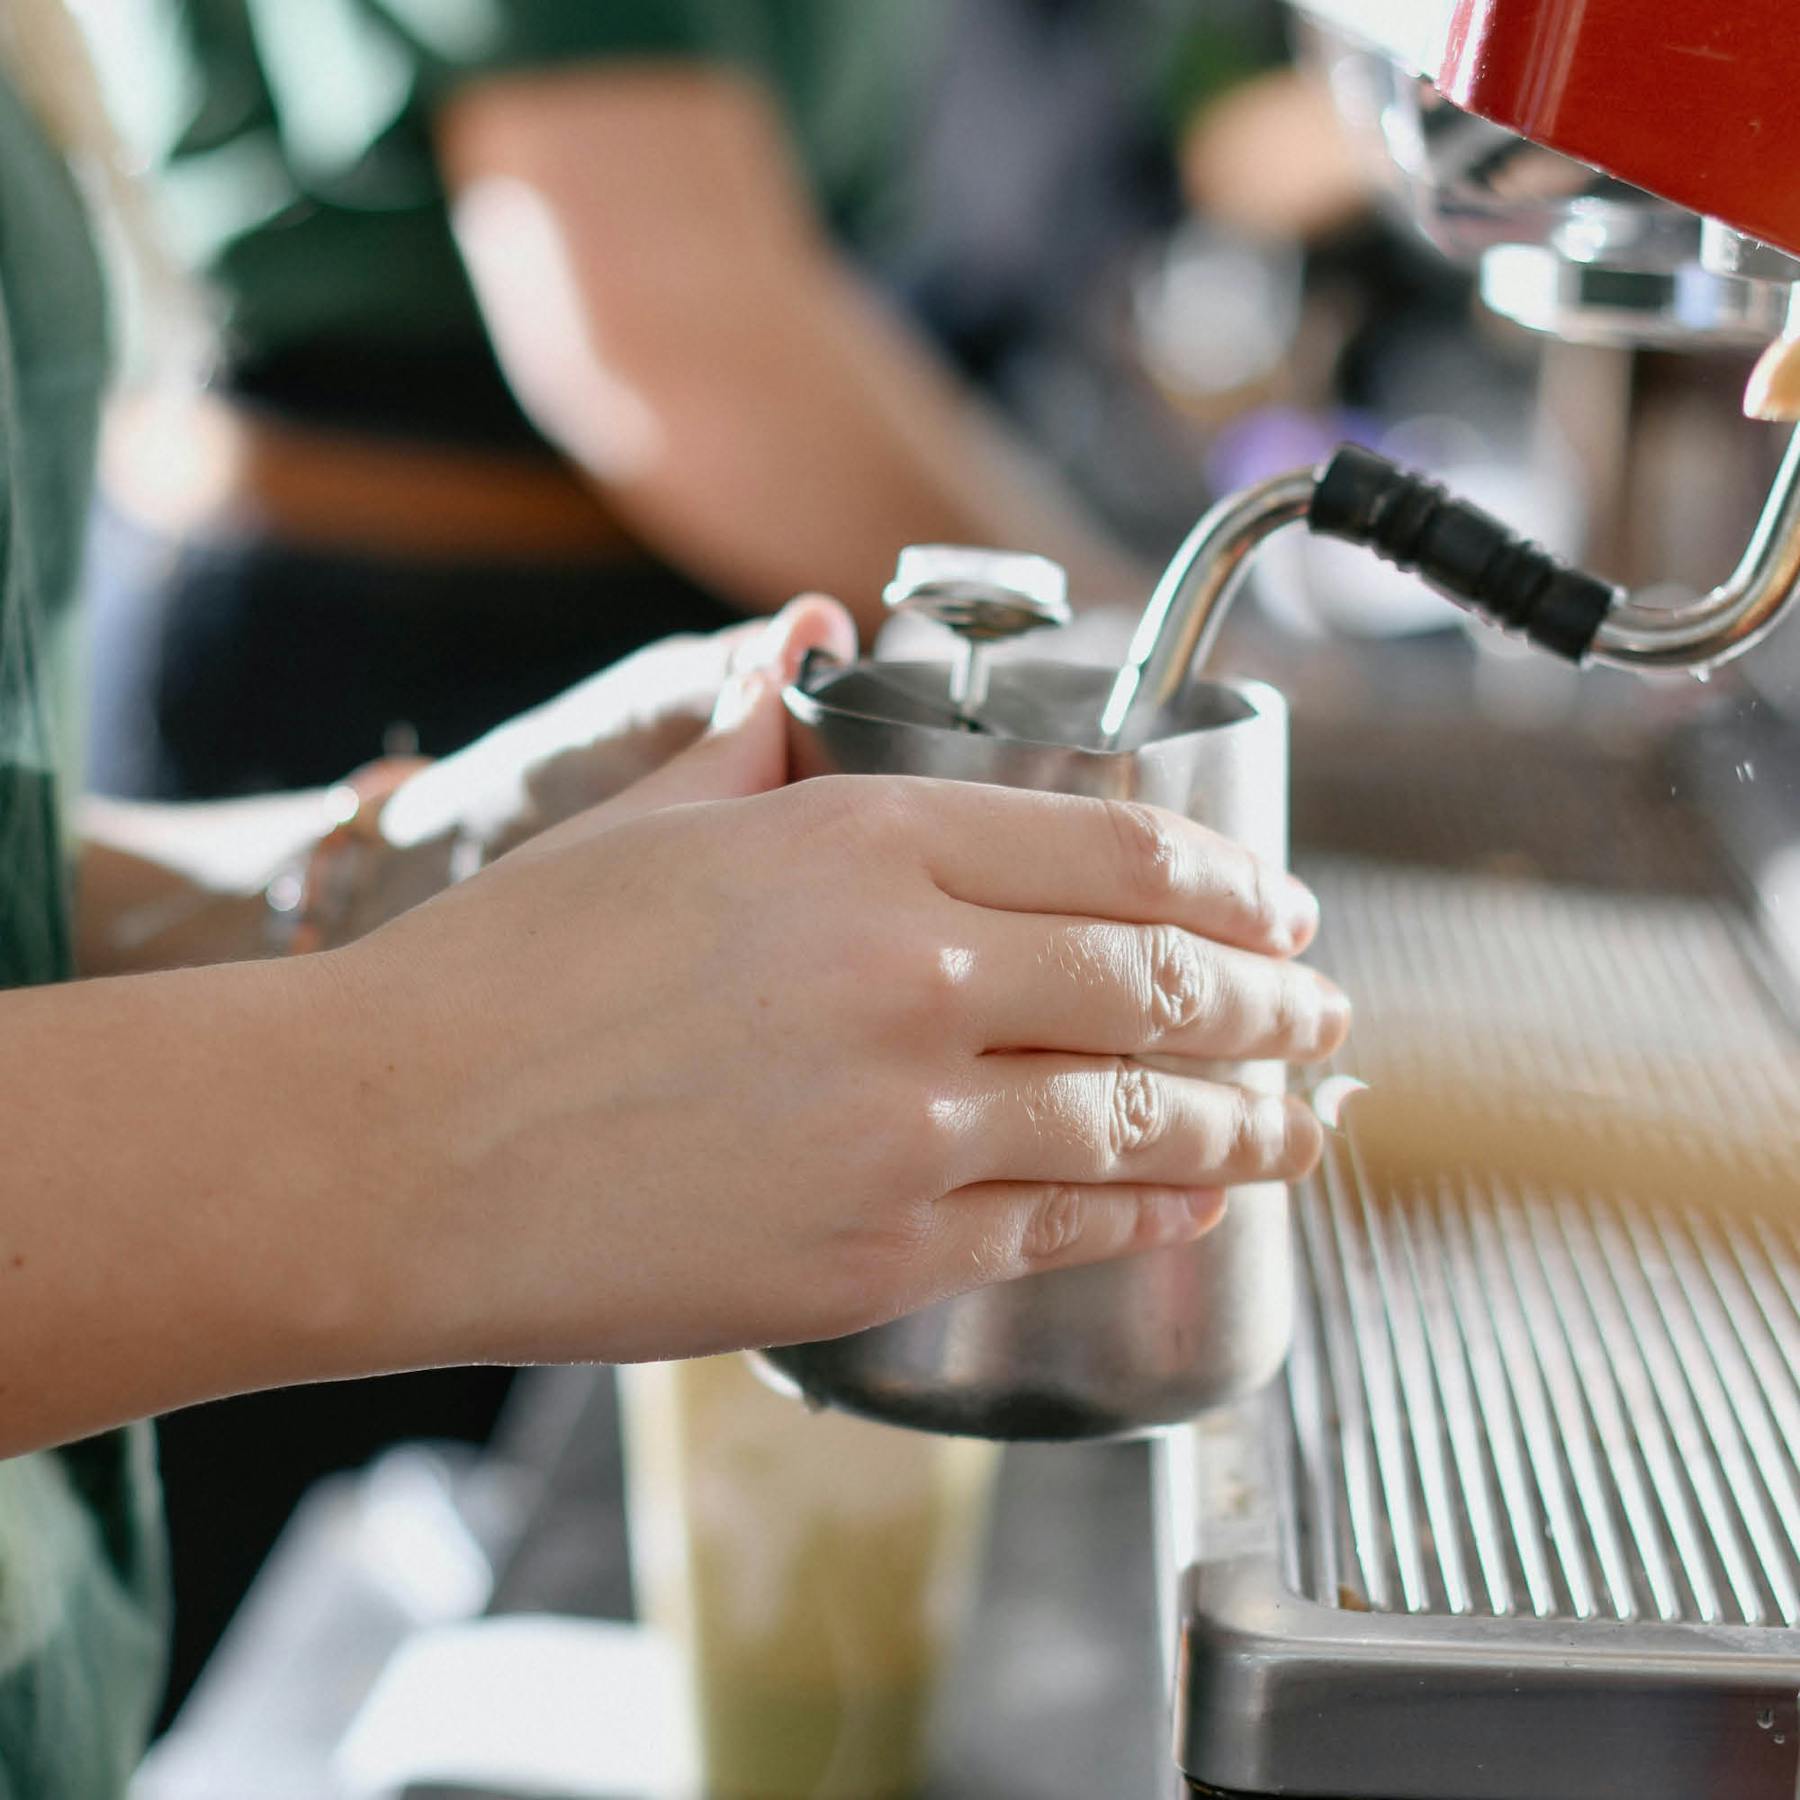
point(667, 308)
point(1271, 159)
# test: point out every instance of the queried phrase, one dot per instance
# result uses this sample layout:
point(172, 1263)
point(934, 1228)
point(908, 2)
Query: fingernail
point(1204, 1208)
point(1303, 1138)
point(1334, 1016)
point(738, 699)
point(1178, 1216)
point(761, 653)
point(1299, 913)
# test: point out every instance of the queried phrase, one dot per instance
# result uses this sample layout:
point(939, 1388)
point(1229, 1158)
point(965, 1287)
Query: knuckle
point(827, 796)
point(1149, 852)
point(1334, 1019)
point(1183, 985)
point(936, 1142)
point(1135, 1110)
point(1239, 1131)
point(855, 807)
point(994, 1258)
point(1261, 1133)
point(1054, 1225)
point(912, 1133)
point(932, 980)
point(823, 813)
point(878, 1272)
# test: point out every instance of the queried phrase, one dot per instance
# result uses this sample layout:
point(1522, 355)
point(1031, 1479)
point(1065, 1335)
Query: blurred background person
point(538, 318)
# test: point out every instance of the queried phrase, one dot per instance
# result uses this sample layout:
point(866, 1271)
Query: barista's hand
point(604, 734)
point(698, 1070)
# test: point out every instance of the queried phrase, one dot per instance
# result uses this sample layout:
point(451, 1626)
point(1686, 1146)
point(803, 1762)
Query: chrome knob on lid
point(984, 596)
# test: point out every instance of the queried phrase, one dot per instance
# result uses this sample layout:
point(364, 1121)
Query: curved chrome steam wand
point(1465, 555)
point(1712, 629)
point(1189, 602)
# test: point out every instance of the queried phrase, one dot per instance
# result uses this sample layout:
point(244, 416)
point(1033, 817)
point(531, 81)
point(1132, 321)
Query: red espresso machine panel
point(1696, 100)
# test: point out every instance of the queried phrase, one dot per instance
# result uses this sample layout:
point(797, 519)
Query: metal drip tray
point(1523, 1520)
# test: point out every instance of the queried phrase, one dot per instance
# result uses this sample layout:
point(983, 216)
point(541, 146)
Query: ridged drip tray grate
point(1523, 1521)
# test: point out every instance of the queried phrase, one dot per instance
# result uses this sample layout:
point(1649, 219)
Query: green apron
point(83, 1588)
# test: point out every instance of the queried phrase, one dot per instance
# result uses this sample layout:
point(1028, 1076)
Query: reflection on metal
point(1562, 247)
point(1123, 1347)
point(1535, 1457)
point(1577, 1271)
point(984, 596)
point(1718, 626)
point(1506, 582)
point(1188, 606)
point(1583, 300)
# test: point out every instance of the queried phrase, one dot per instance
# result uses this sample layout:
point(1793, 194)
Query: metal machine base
point(1522, 1522)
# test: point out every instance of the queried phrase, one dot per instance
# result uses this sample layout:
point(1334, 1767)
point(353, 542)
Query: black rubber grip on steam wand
point(1461, 551)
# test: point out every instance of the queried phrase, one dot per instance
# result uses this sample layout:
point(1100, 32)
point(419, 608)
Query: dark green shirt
point(291, 139)
point(82, 1590)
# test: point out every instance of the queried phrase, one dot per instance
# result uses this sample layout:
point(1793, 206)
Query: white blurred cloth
point(571, 1709)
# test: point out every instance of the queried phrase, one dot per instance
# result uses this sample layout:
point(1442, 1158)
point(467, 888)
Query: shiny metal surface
point(1684, 100)
point(1188, 606)
point(1113, 1350)
point(1585, 300)
point(1562, 248)
point(1523, 1521)
point(1571, 250)
point(1734, 617)
point(979, 593)
point(984, 596)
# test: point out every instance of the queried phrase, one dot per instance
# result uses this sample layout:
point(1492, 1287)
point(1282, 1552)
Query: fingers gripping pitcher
point(1118, 1348)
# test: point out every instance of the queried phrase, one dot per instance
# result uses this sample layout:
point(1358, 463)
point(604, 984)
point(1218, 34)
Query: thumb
point(744, 751)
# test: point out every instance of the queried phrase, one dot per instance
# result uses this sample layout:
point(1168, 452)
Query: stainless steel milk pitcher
point(1123, 1347)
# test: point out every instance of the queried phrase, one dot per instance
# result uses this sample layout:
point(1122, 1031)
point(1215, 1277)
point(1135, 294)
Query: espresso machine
point(1518, 1515)
point(1519, 1521)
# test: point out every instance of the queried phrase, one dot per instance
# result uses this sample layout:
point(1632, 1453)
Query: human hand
point(599, 737)
point(716, 1066)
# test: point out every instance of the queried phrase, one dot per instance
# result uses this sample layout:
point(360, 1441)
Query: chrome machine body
point(1620, 174)
point(1522, 1520)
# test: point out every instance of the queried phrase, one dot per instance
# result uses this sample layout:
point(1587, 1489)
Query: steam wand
point(1464, 554)
point(1188, 604)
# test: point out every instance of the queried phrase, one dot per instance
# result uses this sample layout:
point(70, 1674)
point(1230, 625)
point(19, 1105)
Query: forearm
point(665, 306)
point(814, 438)
point(201, 1193)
